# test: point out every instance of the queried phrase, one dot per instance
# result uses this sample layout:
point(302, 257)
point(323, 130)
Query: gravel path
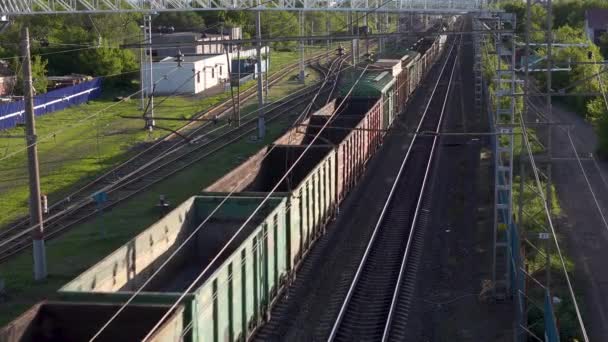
point(582, 225)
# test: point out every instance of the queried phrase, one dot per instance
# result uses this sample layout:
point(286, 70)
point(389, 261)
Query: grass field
point(84, 245)
point(79, 143)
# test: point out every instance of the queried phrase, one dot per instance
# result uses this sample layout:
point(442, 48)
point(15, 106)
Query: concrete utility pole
point(380, 30)
point(354, 42)
point(238, 87)
point(328, 30)
point(386, 28)
point(267, 63)
point(365, 23)
point(150, 114)
point(549, 126)
point(142, 77)
point(302, 72)
point(261, 115)
point(40, 271)
point(520, 319)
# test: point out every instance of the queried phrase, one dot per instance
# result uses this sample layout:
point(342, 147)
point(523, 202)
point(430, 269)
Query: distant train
point(234, 294)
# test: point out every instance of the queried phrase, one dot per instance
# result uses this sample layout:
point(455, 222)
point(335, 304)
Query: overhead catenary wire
point(192, 234)
point(257, 209)
point(545, 207)
point(151, 162)
point(164, 154)
point(578, 158)
point(552, 228)
point(209, 304)
point(50, 135)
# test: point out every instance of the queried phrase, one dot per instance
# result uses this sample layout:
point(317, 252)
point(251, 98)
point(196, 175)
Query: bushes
point(598, 115)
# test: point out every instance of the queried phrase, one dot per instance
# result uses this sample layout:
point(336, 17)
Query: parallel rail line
point(376, 302)
point(157, 149)
point(144, 173)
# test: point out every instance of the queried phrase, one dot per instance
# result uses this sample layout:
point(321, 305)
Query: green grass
point(86, 144)
point(84, 245)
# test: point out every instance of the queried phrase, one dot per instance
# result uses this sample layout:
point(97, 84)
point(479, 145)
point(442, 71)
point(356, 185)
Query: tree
point(181, 21)
point(604, 44)
point(39, 80)
point(108, 61)
point(597, 108)
point(280, 23)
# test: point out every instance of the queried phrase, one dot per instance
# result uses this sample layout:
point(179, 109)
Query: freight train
point(232, 269)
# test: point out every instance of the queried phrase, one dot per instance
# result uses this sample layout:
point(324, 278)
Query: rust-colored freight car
point(230, 302)
point(355, 131)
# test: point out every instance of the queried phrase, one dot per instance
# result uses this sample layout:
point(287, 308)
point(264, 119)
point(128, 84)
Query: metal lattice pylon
point(504, 120)
point(477, 66)
point(20, 7)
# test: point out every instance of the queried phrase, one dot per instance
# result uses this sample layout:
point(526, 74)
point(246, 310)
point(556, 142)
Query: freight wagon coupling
point(77, 322)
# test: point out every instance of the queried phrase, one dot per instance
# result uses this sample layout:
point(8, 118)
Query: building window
point(220, 70)
point(198, 77)
point(212, 72)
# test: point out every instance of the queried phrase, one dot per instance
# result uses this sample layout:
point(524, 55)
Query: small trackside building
point(195, 73)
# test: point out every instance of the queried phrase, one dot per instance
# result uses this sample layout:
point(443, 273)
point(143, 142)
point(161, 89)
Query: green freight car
point(232, 293)
point(229, 300)
point(310, 188)
point(76, 321)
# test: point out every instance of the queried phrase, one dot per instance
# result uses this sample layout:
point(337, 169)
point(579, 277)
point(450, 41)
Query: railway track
point(376, 305)
point(158, 149)
point(123, 183)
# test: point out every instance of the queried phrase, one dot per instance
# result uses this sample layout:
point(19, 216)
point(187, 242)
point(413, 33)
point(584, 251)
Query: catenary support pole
point(549, 127)
point(353, 41)
point(328, 29)
point(150, 115)
point(238, 87)
point(40, 270)
point(261, 115)
point(142, 77)
point(266, 71)
point(302, 75)
point(521, 319)
point(365, 24)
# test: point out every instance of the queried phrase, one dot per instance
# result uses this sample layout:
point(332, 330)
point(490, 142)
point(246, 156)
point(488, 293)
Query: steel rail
point(7, 246)
point(104, 178)
point(21, 240)
point(193, 233)
point(385, 208)
point(219, 110)
point(394, 301)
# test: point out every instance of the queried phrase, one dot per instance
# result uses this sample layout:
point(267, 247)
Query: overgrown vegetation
point(80, 248)
point(79, 143)
point(568, 27)
point(534, 219)
point(91, 44)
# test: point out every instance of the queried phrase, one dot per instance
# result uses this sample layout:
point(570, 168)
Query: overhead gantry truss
point(28, 7)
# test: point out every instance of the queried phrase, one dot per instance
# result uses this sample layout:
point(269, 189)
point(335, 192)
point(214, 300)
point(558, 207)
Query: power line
point(201, 274)
point(164, 154)
point(552, 228)
point(192, 234)
point(81, 120)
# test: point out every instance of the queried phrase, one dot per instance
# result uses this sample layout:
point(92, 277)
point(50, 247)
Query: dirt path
point(584, 229)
